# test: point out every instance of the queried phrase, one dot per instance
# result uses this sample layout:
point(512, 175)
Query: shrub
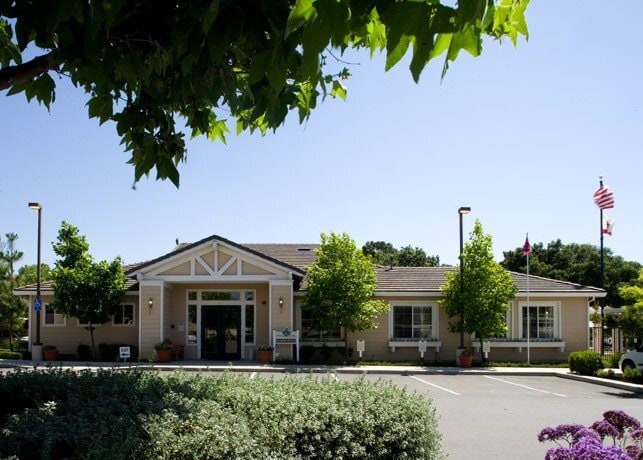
point(326, 352)
point(611, 361)
point(605, 373)
point(133, 414)
point(633, 375)
point(585, 362)
point(84, 352)
point(306, 353)
point(8, 354)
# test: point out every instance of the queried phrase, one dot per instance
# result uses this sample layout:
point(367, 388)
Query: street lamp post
point(461, 211)
point(36, 347)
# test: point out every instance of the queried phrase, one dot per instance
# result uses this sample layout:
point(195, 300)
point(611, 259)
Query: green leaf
point(210, 15)
point(302, 12)
point(338, 90)
point(43, 89)
point(101, 107)
point(218, 129)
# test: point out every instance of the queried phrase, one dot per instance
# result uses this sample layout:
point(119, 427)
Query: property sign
point(486, 347)
point(124, 352)
point(286, 337)
point(361, 346)
point(37, 305)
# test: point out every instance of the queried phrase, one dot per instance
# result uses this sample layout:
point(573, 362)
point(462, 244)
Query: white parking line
point(434, 385)
point(253, 375)
point(524, 386)
point(334, 376)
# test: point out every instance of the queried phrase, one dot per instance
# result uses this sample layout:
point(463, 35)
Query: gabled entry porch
point(219, 299)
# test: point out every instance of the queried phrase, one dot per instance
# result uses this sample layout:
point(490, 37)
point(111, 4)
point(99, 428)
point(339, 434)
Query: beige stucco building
point(222, 300)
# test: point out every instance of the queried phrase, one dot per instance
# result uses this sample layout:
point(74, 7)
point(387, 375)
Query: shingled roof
point(395, 279)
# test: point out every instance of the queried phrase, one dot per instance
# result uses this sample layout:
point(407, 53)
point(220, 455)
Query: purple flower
point(620, 420)
point(559, 453)
point(560, 432)
point(605, 428)
point(637, 434)
point(591, 448)
point(634, 452)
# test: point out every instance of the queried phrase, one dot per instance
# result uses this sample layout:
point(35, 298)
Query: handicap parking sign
point(37, 305)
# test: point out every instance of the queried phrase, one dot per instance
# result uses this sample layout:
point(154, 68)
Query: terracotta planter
point(51, 355)
point(466, 361)
point(263, 356)
point(163, 356)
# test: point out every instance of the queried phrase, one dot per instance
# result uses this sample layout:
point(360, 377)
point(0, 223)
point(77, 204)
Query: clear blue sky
point(520, 135)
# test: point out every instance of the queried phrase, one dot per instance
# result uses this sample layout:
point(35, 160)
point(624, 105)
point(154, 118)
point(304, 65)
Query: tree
point(384, 253)
point(144, 64)
point(28, 274)
point(12, 307)
point(485, 293)
point(90, 291)
point(341, 285)
point(576, 263)
point(631, 321)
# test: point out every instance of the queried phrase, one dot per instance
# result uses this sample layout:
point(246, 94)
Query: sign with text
point(37, 305)
point(124, 352)
point(486, 347)
point(361, 346)
point(286, 337)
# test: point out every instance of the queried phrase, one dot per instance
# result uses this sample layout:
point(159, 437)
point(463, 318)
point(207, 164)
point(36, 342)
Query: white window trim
point(79, 324)
point(44, 318)
point(557, 319)
point(435, 325)
point(133, 323)
point(509, 314)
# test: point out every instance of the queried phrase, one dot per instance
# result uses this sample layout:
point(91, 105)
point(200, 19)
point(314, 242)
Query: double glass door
point(221, 332)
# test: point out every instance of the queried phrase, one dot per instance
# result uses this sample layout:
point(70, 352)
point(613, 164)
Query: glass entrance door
point(220, 332)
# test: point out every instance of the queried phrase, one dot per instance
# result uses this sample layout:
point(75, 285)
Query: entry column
point(281, 313)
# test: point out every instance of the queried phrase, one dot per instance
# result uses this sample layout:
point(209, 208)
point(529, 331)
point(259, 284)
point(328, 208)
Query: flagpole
point(602, 299)
point(528, 331)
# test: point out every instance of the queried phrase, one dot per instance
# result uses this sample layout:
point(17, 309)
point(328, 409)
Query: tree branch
point(22, 73)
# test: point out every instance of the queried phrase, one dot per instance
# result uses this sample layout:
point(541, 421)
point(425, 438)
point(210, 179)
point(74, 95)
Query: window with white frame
point(311, 334)
point(413, 321)
point(540, 321)
point(53, 318)
point(124, 315)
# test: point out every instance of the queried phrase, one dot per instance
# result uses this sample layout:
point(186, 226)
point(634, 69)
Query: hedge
point(134, 414)
point(8, 354)
point(585, 362)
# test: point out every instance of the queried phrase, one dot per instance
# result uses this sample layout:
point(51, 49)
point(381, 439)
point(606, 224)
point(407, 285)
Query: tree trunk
point(91, 333)
point(482, 358)
point(11, 331)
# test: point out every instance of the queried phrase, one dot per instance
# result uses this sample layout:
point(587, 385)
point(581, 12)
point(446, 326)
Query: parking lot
point(499, 417)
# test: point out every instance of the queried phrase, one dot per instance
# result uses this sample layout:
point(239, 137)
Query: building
point(222, 300)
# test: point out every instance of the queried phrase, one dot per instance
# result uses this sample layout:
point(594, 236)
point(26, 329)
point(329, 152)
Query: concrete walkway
point(252, 366)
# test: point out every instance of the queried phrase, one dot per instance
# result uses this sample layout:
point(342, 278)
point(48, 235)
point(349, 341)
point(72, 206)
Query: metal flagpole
point(528, 323)
point(602, 299)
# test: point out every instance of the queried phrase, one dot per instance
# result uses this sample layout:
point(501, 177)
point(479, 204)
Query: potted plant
point(163, 352)
point(466, 359)
point(264, 354)
point(50, 352)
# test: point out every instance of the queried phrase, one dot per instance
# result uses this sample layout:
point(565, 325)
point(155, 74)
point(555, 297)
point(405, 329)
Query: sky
point(521, 135)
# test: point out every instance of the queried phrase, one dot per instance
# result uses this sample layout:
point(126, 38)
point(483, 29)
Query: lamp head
point(35, 206)
point(464, 210)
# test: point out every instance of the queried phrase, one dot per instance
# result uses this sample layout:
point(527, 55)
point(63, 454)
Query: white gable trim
point(194, 258)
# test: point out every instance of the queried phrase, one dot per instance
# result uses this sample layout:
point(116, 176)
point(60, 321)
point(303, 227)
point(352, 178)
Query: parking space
point(499, 417)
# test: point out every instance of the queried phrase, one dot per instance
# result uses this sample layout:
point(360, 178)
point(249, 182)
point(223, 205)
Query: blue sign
point(37, 305)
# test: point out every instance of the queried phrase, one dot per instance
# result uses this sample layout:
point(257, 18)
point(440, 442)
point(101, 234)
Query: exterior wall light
point(281, 303)
point(150, 304)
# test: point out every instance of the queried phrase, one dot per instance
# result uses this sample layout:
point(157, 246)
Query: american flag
point(604, 197)
point(526, 248)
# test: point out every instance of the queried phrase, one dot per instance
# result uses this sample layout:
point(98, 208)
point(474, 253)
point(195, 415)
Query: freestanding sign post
point(422, 348)
point(361, 347)
point(286, 337)
point(124, 353)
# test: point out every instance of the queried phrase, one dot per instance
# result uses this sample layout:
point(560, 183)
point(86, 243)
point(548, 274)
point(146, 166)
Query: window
point(309, 333)
point(250, 323)
point(543, 321)
point(124, 315)
point(51, 318)
point(413, 322)
point(192, 330)
point(220, 295)
point(508, 320)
